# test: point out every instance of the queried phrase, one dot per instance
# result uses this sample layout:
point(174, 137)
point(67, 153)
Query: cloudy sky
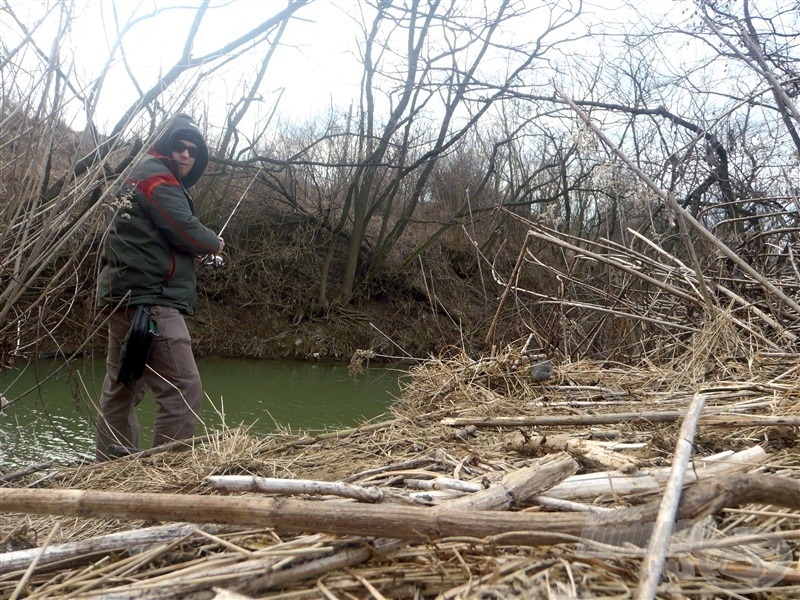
point(314, 62)
point(316, 65)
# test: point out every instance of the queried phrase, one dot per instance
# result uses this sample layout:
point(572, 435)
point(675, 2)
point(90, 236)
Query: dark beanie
point(183, 127)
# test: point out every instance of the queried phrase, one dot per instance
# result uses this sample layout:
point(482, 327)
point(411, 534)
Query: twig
point(507, 290)
point(32, 567)
point(653, 564)
point(14, 475)
point(340, 434)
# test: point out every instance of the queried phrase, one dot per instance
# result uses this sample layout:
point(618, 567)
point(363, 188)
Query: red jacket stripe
point(148, 186)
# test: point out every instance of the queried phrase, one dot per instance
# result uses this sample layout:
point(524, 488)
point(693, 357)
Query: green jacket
point(148, 254)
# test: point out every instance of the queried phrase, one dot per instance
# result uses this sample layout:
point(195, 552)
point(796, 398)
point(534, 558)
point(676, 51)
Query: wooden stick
point(408, 464)
point(593, 451)
point(29, 571)
point(444, 483)
point(14, 475)
point(568, 505)
point(653, 563)
point(339, 434)
point(666, 416)
point(594, 485)
point(268, 485)
point(20, 559)
point(501, 304)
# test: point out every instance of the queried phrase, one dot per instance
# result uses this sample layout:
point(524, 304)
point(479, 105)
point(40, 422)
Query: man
point(148, 258)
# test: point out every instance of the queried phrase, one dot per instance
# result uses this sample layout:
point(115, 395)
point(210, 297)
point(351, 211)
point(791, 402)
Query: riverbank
point(401, 323)
point(562, 455)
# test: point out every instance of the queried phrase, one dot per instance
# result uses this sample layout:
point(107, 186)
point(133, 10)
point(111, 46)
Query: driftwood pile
point(484, 482)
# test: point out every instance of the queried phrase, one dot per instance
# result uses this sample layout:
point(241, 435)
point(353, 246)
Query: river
point(56, 422)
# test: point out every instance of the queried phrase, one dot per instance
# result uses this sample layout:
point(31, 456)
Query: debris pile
point(484, 481)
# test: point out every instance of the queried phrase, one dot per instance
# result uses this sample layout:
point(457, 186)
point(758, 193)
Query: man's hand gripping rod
point(218, 260)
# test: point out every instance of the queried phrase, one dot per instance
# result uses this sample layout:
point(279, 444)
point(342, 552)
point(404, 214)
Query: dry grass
point(412, 440)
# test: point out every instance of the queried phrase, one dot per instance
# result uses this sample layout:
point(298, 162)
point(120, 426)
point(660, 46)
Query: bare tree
point(716, 160)
point(433, 86)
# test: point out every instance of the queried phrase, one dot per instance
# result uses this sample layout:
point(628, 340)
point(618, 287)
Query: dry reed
point(414, 442)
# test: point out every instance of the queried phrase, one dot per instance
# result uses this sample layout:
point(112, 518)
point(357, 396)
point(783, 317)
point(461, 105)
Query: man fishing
point(147, 272)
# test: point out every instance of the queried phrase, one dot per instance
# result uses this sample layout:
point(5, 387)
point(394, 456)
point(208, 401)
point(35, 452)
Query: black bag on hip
point(136, 347)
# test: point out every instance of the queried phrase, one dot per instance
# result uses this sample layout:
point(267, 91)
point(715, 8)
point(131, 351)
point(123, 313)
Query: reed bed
point(461, 424)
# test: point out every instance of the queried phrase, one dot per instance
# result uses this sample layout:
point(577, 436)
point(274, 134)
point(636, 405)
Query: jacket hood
point(183, 127)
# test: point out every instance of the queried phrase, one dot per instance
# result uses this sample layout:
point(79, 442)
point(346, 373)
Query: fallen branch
point(596, 452)
point(666, 416)
point(401, 522)
point(408, 464)
point(267, 485)
point(653, 565)
point(14, 475)
point(60, 553)
point(594, 485)
point(444, 483)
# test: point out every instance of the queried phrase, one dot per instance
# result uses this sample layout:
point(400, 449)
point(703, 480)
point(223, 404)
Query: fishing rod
point(218, 260)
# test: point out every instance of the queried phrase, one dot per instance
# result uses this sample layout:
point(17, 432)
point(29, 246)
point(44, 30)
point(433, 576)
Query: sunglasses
point(179, 147)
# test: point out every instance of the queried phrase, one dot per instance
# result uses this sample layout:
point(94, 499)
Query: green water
point(56, 422)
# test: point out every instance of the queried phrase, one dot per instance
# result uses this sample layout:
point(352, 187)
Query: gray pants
point(171, 373)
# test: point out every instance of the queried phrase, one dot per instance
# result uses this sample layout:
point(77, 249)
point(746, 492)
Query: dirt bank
point(400, 316)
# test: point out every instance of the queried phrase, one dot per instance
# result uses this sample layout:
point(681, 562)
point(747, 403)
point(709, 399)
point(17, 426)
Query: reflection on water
point(57, 420)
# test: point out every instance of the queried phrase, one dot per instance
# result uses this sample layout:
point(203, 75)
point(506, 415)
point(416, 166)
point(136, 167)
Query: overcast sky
point(315, 65)
point(311, 63)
